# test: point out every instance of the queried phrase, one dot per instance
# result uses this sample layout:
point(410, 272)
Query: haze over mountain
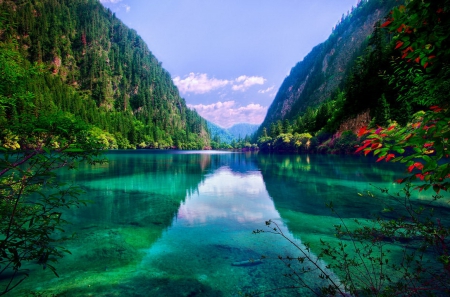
point(234, 133)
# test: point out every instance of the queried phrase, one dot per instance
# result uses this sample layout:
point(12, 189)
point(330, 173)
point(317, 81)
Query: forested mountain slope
point(320, 75)
point(242, 130)
point(234, 137)
point(94, 67)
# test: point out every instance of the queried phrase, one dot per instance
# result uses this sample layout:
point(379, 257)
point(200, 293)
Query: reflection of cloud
point(200, 83)
point(226, 114)
point(245, 201)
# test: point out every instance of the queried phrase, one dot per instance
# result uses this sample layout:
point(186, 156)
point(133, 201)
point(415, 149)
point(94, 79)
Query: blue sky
point(229, 57)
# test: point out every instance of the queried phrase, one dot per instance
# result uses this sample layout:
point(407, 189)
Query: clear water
point(172, 223)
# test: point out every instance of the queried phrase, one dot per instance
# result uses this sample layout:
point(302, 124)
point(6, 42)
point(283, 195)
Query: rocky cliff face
point(323, 71)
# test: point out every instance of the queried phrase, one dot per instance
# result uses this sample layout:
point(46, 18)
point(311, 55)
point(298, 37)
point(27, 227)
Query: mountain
point(219, 134)
point(94, 67)
point(242, 130)
point(235, 133)
point(322, 73)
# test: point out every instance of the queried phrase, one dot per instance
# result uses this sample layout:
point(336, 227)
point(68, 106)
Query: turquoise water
point(166, 223)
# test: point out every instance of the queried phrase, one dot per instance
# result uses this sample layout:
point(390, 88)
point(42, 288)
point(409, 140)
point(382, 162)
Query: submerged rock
point(250, 262)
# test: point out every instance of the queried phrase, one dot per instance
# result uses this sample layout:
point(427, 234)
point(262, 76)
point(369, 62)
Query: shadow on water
point(147, 286)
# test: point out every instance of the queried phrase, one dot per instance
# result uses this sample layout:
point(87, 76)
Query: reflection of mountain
point(302, 185)
point(139, 188)
point(306, 183)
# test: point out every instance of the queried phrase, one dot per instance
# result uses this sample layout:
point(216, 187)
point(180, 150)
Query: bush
point(405, 251)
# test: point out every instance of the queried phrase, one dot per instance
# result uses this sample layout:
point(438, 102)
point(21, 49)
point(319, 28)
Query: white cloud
point(226, 114)
point(266, 90)
point(114, 5)
point(198, 83)
point(245, 82)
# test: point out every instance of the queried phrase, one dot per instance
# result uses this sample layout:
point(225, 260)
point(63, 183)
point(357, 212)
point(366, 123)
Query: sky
point(228, 58)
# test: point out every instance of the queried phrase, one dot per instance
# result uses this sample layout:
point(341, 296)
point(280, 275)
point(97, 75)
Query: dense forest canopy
point(94, 67)
point(389, 76)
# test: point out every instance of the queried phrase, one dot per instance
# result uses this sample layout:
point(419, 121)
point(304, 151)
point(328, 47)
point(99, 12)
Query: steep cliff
point(323, 71)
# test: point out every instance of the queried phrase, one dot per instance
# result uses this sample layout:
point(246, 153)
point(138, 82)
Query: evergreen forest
point(75, 81)
point(84, 61)
point(386, 80)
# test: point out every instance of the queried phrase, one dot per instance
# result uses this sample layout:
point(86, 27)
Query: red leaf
point(381, 158)
point(436, 108)
point(385, 24)
point(389, 157)
point(362, 131)
point(420, 176)
point(417, 60)
point(366, 152)
point(399, 44)
point(418, 165)
point(361, 148)
point(391, 128)
point(376, 145)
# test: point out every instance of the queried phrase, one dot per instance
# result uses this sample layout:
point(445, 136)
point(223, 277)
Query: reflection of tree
point(140, 189)
point(305, 183)
point(300, 199)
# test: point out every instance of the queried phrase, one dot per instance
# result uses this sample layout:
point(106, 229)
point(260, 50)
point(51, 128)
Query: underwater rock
point(250, 262)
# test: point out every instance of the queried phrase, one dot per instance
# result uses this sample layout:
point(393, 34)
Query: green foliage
point(32, 200)
point(404, 250)
point(35, 144)
point(421, 39)
point(324, 72)
point(420, 146)
point(285, 142)
point(99, 70)
point(422, 32)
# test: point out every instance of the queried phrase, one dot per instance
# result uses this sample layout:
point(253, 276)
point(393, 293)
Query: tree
point(404, 251)
point(33, 145)
point(422, 37)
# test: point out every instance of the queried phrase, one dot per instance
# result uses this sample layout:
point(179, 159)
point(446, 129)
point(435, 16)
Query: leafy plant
point(405, 249)
point(34, 145)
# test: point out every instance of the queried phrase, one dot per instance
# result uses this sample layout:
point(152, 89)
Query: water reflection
point(173, 223)
point(305, 183)
point(213, 231)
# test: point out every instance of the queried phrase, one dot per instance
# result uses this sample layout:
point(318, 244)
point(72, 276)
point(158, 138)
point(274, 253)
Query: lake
point(169, 223)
